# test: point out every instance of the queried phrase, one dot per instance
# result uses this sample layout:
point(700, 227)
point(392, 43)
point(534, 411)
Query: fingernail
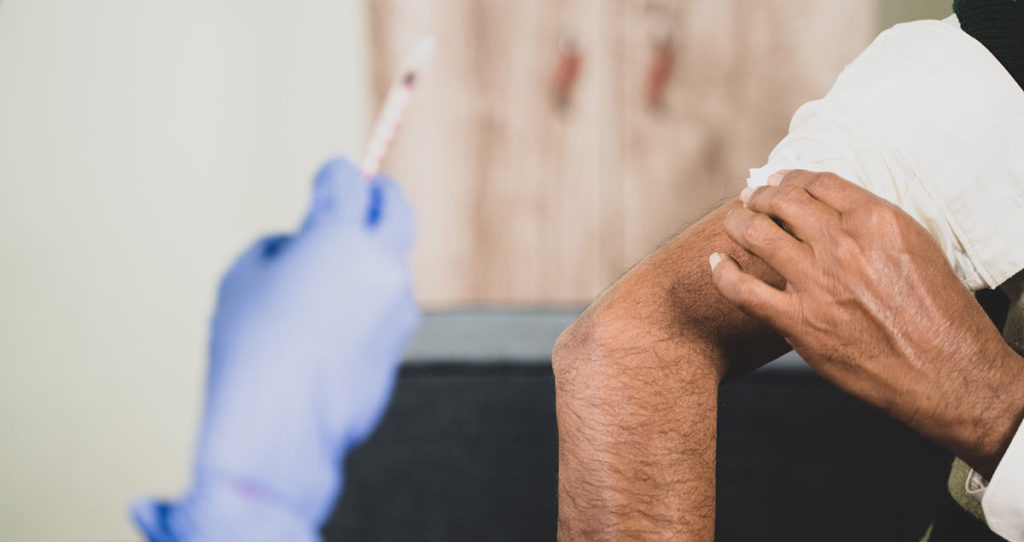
point(745, 195)
point(775, 179)
point(714, 260)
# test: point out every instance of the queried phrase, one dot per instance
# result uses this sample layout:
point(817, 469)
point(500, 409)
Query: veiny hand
point(872, 305)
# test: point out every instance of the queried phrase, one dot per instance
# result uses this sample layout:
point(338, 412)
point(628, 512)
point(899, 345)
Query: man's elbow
point(588, 372)
point(574, 344)
point(597, 348)
point(611, 348)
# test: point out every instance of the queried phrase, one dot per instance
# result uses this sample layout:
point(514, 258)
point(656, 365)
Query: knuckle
point(746, 294)
point(786, 197)
point(788, 191)
point(793, 176)
point(880, 216)
point(820, 181)
point(844, 248)
point(757, 228)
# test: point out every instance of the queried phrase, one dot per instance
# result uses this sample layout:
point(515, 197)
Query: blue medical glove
point(307, 337)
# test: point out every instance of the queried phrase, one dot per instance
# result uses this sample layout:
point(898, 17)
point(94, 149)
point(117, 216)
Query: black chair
point(467, 449)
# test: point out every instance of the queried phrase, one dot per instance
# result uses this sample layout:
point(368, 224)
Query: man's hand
point(872, 305)
point(307, 337)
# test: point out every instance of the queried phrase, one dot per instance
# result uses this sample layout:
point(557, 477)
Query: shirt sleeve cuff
point(1003, 498)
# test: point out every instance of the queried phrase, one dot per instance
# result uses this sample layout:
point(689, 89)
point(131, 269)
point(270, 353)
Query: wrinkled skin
point(872, 305)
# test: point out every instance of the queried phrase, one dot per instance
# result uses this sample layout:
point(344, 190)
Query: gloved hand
point(307, 336)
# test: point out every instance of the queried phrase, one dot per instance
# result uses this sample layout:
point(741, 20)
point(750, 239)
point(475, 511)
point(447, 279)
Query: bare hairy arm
point(637, 380)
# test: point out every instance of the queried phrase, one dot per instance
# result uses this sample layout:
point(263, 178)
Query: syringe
point(398, 97)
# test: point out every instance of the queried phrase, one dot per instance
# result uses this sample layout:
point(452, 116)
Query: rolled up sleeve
point(928, 119)
point(1002, 498)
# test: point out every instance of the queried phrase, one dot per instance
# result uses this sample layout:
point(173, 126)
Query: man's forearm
point(636, 445)
point(636, 388)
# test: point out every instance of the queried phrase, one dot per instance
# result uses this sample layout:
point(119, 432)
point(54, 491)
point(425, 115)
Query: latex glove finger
point(341, 196)
point(396, 220)
point(247, 267)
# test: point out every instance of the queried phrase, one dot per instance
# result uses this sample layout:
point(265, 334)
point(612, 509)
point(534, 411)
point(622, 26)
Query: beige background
point(142, 145)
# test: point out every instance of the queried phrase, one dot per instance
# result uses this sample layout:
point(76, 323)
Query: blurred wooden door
point(523, 198)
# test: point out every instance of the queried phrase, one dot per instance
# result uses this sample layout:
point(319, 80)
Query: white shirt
point(928, 119)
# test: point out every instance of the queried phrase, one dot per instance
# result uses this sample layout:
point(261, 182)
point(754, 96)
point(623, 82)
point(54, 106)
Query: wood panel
point(742, 68)
point(525, 201)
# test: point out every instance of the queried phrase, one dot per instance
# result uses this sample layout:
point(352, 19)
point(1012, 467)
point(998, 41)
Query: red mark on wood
point(566, 73)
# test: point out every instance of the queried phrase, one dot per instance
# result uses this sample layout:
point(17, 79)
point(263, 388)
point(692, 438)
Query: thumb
point(395, 221)
point(340, 196)
point(747, 292)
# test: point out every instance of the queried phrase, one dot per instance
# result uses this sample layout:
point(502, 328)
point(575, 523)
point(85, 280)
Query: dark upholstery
point(467, 451)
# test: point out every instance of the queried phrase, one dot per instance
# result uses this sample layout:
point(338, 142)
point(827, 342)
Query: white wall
point(142, 145)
